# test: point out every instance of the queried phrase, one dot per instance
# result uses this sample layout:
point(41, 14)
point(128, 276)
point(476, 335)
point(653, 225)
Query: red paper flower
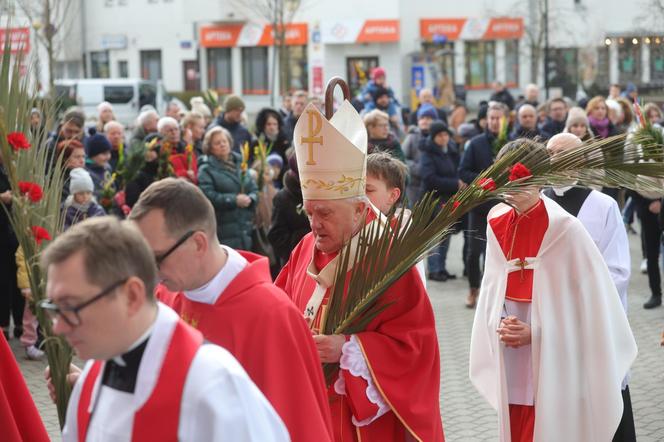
point(18, 141)
point(519, 171)
point(40, 234)
point(32, 190)
point(487, 184)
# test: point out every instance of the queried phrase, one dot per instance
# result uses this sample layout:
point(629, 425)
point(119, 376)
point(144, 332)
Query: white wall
point(164, 24)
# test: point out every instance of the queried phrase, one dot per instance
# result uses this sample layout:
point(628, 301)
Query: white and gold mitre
point(331, 155)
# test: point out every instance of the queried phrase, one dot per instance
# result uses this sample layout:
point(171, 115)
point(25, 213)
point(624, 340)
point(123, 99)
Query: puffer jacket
point(221, 186)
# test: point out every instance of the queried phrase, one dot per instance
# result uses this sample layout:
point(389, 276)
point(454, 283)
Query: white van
point(127, 95)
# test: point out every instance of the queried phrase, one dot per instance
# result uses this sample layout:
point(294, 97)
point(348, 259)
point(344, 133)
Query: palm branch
point(34, 166)
point(386, 254)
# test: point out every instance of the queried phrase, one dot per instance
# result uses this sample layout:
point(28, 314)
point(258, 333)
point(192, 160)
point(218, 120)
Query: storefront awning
point(359, 31)
point(471, 29)
point(250, 34)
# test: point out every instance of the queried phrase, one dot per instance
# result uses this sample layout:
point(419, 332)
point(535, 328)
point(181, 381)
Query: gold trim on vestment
point(375, 379)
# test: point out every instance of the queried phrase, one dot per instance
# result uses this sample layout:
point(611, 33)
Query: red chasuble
point(259, 325)
point(520, 237)
point(400, 347)
point(19, 418)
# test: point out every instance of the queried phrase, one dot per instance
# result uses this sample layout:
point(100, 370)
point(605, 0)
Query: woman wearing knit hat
point(577, 123)
point(104, 115)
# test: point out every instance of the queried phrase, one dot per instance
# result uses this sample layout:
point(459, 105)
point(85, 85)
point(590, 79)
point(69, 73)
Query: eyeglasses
point(160, 258)
point(71, 314)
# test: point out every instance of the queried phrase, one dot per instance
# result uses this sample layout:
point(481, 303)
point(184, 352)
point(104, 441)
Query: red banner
point(472, 28)
point(19, 40)
point(248, 35)
point(379, 31)
point(224, 36)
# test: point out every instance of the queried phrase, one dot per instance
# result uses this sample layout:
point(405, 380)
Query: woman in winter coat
point(270, 129)
point(377, 123)
point(225, 181)
point(439, 164)
point(602, 127)
point(289, 221)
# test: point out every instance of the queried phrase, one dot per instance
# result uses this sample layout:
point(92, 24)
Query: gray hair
point(497, 106)
point(112, 124)
point(164, 122)
point(211, 133)
point(143, 116)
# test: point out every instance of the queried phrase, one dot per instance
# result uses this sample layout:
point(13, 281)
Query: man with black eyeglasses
point(228, 295)
point(148, 374)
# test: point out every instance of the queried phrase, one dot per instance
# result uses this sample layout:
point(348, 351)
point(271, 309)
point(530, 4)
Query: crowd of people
point(223, 193)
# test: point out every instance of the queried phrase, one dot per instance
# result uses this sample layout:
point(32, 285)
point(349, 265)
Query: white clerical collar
point(560, 191)
point(210, 292)
point(118, 359)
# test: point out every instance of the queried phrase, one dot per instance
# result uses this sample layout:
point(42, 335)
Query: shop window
point(656, 59)
point(480, 64)
point(99, 64)
point(603, 68)
point(295, 77)
point(512, 63)
point(442, 57)
point(629, 60)
point(254, 71)
point(358, 72)
point(563, 70)
point(123, 69)
point(220, 70)
point(151, 65)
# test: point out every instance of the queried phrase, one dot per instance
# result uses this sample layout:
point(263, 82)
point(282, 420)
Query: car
point(127, 95)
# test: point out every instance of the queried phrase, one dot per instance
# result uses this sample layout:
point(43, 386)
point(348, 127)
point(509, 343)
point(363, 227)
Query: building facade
point(456, 48)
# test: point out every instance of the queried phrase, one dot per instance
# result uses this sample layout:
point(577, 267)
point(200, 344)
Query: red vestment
point(258, 324)
point(19, 418)
point(400, 347)
point(159, 417)
point(520, 236)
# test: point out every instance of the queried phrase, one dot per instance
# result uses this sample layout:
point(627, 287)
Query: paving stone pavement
point(466, 416)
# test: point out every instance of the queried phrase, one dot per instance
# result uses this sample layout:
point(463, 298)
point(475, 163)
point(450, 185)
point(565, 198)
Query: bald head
point(532, 92)
point(563, 142)
point(426, 96)
point(527, 117)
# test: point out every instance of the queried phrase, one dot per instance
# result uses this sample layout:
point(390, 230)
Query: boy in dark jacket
point(98, 163)
point(439, 162)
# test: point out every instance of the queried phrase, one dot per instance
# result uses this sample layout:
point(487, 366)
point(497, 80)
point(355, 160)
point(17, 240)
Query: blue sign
point(417, 77)
point(185, 44)
point(439, 39)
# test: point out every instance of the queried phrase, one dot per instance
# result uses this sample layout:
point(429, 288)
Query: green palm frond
point(33, 165)
point(385, 255)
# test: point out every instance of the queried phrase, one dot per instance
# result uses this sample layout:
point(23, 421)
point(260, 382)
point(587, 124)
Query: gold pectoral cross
point(312, 138)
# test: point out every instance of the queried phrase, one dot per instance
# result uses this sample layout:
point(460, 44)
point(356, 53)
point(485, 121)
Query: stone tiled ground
point(466, 417)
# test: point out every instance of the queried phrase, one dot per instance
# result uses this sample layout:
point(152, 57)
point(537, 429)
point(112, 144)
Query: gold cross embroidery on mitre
point(312, 138)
